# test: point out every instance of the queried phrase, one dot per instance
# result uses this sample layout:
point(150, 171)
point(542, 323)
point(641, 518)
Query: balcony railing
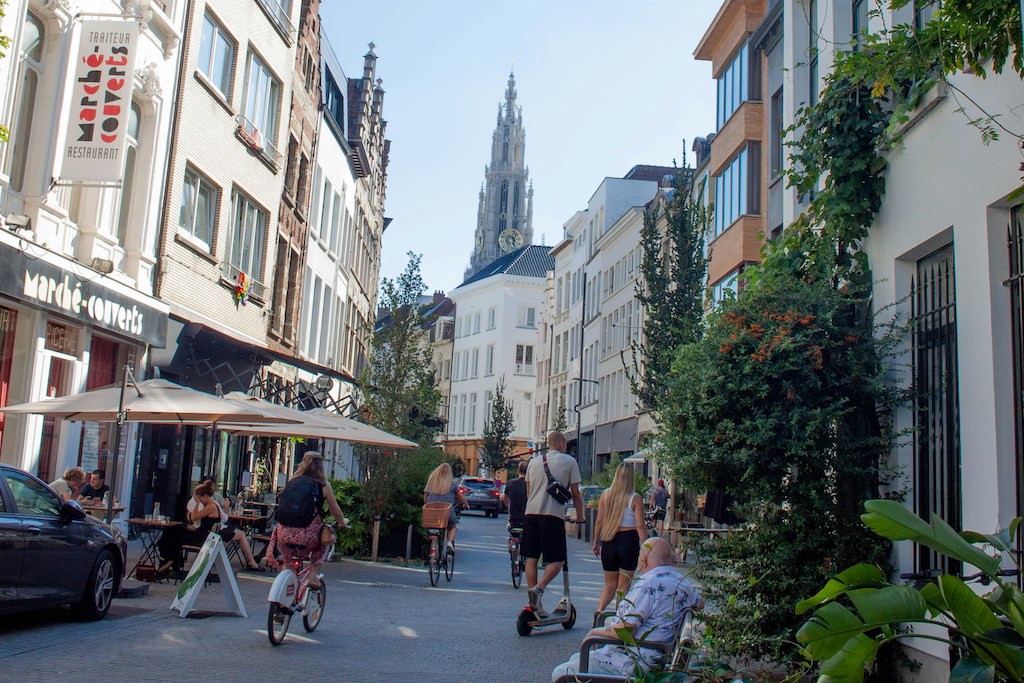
point(257, 289)
point(254, 138)
point(278, 13)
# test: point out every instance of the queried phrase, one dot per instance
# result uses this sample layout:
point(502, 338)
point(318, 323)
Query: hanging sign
point(210, 554)
point(101, 99)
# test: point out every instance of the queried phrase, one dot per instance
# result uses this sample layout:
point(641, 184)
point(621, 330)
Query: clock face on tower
point(510, 239)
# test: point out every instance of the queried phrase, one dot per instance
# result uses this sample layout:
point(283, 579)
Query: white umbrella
point(638, 458)
point(358, 432)
point(301, 423)
point(152, 400)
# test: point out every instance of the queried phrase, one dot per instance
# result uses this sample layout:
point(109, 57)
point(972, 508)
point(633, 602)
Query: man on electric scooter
point(544, 529)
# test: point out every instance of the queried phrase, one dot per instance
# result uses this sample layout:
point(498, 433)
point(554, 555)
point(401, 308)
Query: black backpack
point(299, 503)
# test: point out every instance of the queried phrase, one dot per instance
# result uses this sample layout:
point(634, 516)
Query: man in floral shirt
point(653, 609)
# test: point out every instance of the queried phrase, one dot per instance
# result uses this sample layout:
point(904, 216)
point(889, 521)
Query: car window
point(31, 497)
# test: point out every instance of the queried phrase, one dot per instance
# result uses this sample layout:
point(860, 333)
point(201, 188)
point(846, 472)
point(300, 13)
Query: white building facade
point(79, 251)
point(496, 339)
point(946, 250)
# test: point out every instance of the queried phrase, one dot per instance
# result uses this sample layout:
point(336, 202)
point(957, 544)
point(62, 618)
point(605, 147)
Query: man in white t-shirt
point(544, 531)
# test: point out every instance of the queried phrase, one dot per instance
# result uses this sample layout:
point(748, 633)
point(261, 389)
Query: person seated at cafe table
point(68, 486)
point(94, 491)
point(201, 514)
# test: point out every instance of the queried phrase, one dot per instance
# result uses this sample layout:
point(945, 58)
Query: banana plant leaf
point(970, 670)
point(890, 519)
point(828, 629)
point(849, 664)
point(857, 576)
point(1002, 540)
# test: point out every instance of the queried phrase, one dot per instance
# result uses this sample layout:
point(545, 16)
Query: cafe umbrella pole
point(128, 377)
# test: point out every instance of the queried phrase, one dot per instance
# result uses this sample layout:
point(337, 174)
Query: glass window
point(859, 12)
point(812, 52)
point(216, 55)
point(775, 135)
point(262, 94)
point(128, 184)
point(492, 317)
point(32, 39)
point(31, 497)
point(490, 360)
point(732, 86)
point(198, 207)
point(731, 193)
point(248, 237)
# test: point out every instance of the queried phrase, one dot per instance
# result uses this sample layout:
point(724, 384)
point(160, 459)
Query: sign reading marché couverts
point(101, 100)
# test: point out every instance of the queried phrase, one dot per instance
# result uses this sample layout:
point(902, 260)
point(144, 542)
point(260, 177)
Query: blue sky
point(603, 84)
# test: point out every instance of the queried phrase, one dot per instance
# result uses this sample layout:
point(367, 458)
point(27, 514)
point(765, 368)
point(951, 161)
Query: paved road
point(383, 622)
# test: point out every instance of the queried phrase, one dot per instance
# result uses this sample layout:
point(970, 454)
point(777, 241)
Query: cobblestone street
point(382, 623)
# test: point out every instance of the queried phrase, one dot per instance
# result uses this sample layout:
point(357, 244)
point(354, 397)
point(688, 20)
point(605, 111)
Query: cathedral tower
point(504, 220)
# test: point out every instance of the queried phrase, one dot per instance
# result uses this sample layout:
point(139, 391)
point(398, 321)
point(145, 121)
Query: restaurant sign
point(101, 99)
point(53, 288)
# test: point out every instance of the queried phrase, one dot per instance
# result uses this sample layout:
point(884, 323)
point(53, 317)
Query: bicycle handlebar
point(981, 577)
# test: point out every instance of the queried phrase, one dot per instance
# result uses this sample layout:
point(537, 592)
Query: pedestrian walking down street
point(618, 533)
point(659, 505)
point(544, 532)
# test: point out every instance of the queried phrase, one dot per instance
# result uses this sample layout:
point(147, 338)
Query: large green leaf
point(890, 519)
point(1001, 540)
point(1009, 600)
point(848, 665)
point(889, 605)
point(970, 670)
point(829, 628)
point(857, 576)
point(1006, 636)
point(973, 616)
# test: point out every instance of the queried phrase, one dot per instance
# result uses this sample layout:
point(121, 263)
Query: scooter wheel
point(523, 626)
point(568, 624)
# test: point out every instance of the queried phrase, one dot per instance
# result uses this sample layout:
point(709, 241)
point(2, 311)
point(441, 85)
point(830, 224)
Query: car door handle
point(34, 530)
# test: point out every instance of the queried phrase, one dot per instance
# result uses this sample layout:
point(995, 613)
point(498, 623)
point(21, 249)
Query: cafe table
point(149, 531)
point(100, 511)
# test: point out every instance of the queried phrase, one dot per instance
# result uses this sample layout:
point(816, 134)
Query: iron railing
point(936, 398)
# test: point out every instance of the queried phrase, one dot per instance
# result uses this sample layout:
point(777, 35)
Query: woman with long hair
point(317, 537)
point(618, 533)
point(202, 512)
point(441, 488)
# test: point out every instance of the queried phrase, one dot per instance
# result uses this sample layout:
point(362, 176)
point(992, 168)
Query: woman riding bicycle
point(441, 488)
point(303, 499)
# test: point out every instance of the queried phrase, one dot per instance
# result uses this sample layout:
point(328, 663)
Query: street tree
point(671, 284)
point(560, 424)
point(496, 453)
point(396, 390)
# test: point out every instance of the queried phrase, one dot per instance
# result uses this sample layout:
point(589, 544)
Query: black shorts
point(659, 513)
point(622, 552)
point(544, 535)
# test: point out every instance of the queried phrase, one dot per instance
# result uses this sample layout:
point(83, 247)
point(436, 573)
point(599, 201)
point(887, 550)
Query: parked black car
point(481, 495)
point(52, 552)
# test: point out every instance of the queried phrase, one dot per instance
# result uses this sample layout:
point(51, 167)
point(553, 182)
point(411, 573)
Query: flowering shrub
point(777, 406)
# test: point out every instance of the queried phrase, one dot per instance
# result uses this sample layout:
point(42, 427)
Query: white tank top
point(628, 517)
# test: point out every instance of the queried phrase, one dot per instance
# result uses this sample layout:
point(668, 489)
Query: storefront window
point(97, 437)
point(8, 325)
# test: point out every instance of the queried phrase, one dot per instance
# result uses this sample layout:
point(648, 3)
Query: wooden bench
point(681, 647)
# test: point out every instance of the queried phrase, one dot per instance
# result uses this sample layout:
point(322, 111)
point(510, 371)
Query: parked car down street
point(52, 552)
point(482, 495)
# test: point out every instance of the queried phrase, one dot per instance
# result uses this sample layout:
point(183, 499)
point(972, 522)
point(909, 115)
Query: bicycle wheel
point(433, 565)
point(517, 574)
point(315, 606)
point(449, 565)
point(278, 618)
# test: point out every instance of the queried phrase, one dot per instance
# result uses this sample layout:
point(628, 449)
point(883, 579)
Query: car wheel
point(99, 589)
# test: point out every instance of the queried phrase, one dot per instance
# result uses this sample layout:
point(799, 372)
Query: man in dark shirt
point(515, 499)
point(93, 491)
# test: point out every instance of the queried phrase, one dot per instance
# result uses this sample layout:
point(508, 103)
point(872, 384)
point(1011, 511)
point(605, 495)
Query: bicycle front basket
point(436, 515)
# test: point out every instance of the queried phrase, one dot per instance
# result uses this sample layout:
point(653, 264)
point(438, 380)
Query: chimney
point(438, 296)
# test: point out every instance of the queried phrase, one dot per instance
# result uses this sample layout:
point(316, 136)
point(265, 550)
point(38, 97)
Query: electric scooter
point(564, 612)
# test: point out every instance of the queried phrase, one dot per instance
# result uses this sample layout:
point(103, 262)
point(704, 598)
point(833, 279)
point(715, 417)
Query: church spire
point(505, 213)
